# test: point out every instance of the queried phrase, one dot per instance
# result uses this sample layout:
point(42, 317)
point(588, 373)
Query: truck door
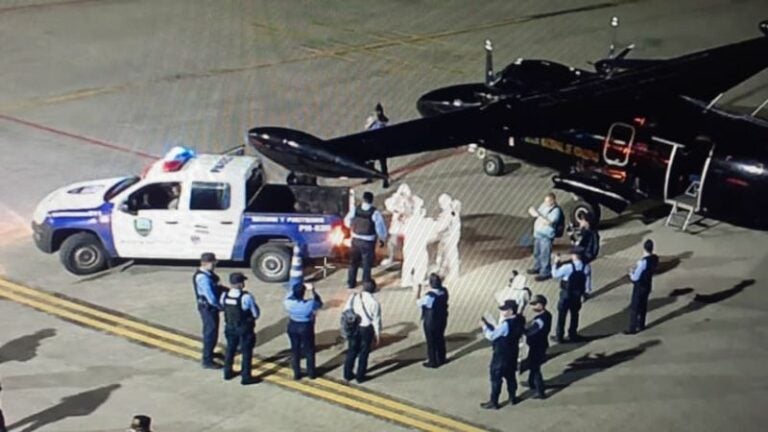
point(146, 224)
point(214, 220)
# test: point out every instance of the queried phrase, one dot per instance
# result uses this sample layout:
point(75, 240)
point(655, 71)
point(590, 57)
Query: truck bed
point(280, 198)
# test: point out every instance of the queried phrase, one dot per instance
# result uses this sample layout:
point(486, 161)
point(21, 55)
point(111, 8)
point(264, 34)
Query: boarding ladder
point(686, 204)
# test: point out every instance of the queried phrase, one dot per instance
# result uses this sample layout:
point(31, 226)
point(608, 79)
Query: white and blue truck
point(186, 204)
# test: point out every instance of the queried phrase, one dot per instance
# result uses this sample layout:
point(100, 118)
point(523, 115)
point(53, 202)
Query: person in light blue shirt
point(367, 225)
point(575, 284)
point(207, 289)
point(642, 284)
point(301, 327)
point(547, 217)
point(240, 313)
point(505, 339)
point(434, 316)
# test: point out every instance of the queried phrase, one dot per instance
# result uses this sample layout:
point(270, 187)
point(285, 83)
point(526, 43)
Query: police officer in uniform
point(641, 276)
point(240, 315)
point(434, 314)
point(575, 285)
point(505, 338)
point(301, 327)
point(367, 225)
point(536, 335)
point(207, 291)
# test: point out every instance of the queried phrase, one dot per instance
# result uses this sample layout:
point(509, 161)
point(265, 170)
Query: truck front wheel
point(584, 208)
point(83, 254)
point(271, 263)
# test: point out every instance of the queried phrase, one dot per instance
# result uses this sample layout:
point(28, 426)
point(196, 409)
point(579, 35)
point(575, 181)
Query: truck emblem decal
point(143, 226)
point(221, 163)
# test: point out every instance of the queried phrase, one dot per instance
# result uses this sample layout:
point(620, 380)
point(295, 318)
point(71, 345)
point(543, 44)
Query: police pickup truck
point(186, 204)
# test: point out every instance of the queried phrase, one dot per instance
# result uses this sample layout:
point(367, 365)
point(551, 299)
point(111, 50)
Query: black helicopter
point(633, 130)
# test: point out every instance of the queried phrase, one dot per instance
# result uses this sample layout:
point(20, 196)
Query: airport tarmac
point(93, 89)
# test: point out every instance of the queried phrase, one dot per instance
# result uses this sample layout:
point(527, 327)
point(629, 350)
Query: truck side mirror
point(125, 207)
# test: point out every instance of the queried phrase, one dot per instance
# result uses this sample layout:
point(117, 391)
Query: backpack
point(350, 323)
point(350, 320)
point(577, 282)
point(559, 223)
point(594, 246)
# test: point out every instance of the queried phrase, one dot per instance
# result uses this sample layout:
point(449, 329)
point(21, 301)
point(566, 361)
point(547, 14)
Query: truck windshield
point(120, 186)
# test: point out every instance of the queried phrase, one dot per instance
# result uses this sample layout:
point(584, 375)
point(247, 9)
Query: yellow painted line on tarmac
point(322, 388)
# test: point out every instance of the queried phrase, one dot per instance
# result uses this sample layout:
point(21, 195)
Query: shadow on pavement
point(24, 348)
point(666, 263)
point(621, 243)
point(81, 404)
point(701, 300)
point(590, 364)
point(603, 328)
point(387, 339)
point(85, 378)
point(272, 331)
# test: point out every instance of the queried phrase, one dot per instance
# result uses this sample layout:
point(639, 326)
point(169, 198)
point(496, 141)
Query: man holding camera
point(367, 331)
point(301, 327)
point(505, 339)
point(587, 238)
point(575, 285)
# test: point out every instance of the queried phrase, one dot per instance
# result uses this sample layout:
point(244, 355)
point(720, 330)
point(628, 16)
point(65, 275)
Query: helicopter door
point(618, 144)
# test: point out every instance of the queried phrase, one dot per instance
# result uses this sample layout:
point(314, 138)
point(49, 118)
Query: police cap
point(509, 305)
point(538, 299)
point(237, 278)
point(208, 257)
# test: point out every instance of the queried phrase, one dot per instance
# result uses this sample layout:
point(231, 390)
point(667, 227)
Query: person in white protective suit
point(401, 205)
point(448, 236)
point(517, 290)
point(417, 232)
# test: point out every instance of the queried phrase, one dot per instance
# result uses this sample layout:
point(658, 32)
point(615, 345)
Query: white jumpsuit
point(449, 235)
point(416, 234)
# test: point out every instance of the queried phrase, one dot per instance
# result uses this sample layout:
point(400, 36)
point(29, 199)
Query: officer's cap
point(208, 257)
point(298, 290)
point(509, 305)
point(538, 299)
point(435, 281)
point(648, 246)
point(368, 197)
point(369, 286)
point(141, 423)
point(237, 278)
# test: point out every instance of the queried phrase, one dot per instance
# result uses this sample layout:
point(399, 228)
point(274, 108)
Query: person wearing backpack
point(240, 315)
point(549, 224)
point(589, 239)
point(434, 315)
point(361, 326)
point(575, 284)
